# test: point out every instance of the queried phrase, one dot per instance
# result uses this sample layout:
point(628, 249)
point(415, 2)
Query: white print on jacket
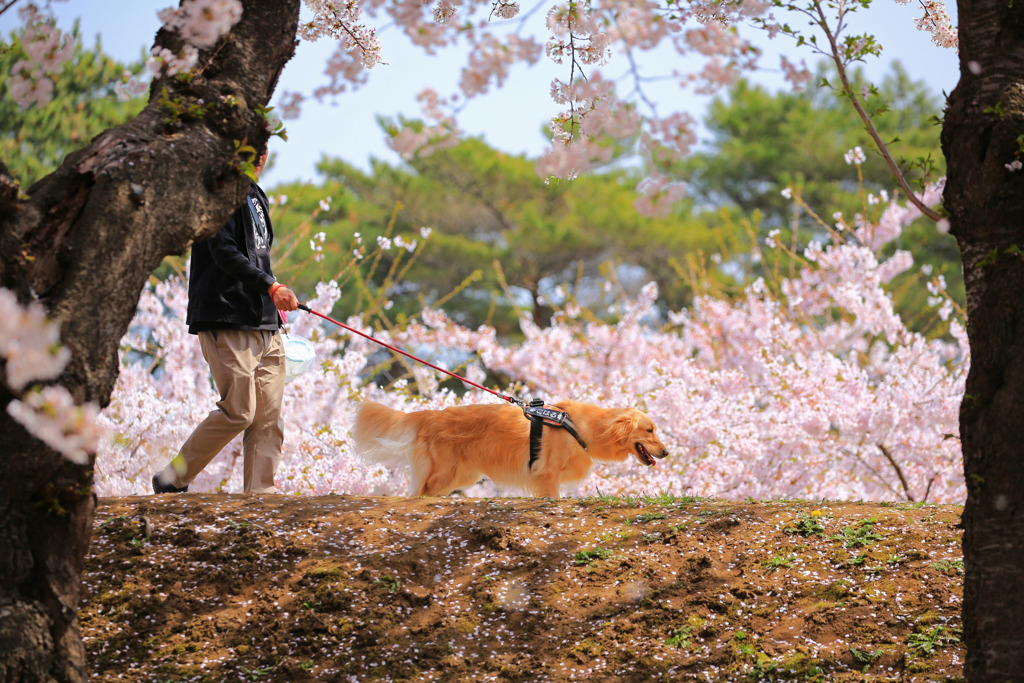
point(260, 221)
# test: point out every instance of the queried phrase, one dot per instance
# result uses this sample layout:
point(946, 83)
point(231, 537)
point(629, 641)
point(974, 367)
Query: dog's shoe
point(160, 487)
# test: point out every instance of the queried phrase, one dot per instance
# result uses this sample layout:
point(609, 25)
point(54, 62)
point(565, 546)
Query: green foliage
point(934, 638)
point(646, 517)
point(504, 240)
point(761, 142)
point(806, 526)
point(34, 140)
point(588, 557)
point(778, 562)
point(492, 214)
point(865, 657)
point(245, 156)
point(950, 567)
point(389, 582)
point(634, 500)
point(860, 535)
point(179, 109)
point(681, 636)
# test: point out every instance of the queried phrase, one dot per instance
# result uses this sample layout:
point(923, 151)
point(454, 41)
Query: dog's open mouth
point(642, 455)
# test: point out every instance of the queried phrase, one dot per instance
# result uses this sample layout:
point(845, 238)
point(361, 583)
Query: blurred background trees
point(34, 140)
point(506, 242)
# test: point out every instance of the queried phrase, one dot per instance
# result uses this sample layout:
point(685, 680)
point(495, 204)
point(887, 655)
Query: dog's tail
point(382, 435)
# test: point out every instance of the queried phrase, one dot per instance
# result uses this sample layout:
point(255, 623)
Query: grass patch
point(646, 517)
point(807, 525)
point(859, 535)
point(778, 562)
point(585, 558)
point(934, 638)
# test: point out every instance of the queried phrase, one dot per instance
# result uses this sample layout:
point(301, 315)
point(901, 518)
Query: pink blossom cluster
point(937, 22)
point(797, 76)
point(50, 415)
point(165, 61)
point(576, 33)
point(579, 133)
point(290, 104)
point(502, 9)
point(490, 59)
point(444, 11)
point(129, 87)
point(714, 39)
point(810, 387)
point(341, 21)
point(657, 196)
point(359, 46)
point(669, 137)
point(438, 132)
point(581, 37)
point(728, 55)
point(639, 24)
point(29, 343)
point(31, 349)
point(201, 23)
point(855, 156)
point(815, 390)
point(345, 71)
point(726, 14)
point(415, 19)
point(588, 34)
point(46, 49)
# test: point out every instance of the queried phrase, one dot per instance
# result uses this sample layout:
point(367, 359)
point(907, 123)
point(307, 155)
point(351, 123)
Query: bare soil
point(216, 587)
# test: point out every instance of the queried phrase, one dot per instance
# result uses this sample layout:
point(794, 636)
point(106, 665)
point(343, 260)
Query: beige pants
point(248, 368)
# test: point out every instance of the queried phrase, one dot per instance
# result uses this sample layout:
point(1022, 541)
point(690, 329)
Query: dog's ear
point(622, 427)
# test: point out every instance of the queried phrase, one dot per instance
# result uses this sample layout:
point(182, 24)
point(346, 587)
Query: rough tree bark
point(84, 241)
point(983, 131)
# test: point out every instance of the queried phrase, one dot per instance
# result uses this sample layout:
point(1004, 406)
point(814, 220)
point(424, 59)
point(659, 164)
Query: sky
point(511, 119)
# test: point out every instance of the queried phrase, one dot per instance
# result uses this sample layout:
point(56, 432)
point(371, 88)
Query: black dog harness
point(538, 415)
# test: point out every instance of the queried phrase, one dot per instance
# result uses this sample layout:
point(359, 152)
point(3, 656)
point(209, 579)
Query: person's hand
point(283, 298)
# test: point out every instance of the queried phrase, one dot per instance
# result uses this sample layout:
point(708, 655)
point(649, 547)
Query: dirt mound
point(206, 587)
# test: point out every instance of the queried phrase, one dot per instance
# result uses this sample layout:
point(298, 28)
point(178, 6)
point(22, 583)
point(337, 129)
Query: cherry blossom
point(46, 49)
point(440, 130)
point(809, 387)
point(202, 22)
point(31, 349)
point(163, 61)
point(657, 196)
point(29, 343)
point(855, 156)
point(130, 87)
point(50, 414)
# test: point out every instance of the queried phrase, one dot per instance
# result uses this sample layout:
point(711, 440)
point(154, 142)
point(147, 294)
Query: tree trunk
point(542, 312)
point(982, 133)
point(84, 242)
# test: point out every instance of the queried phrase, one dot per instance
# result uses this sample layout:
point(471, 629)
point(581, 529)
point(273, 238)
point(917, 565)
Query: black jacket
point(231, 273)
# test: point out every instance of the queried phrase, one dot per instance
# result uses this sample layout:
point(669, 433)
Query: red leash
point(510, 399)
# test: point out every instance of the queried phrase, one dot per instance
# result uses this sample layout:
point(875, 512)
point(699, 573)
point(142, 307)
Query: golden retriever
point(453, 448)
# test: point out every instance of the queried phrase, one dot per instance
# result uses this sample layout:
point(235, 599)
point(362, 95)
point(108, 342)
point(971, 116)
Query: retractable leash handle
point(471, 383)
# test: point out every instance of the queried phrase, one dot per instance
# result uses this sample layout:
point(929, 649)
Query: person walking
point(233, 304)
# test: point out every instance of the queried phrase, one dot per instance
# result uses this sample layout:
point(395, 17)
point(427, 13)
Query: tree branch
point(883, 149)
point(899, 472)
